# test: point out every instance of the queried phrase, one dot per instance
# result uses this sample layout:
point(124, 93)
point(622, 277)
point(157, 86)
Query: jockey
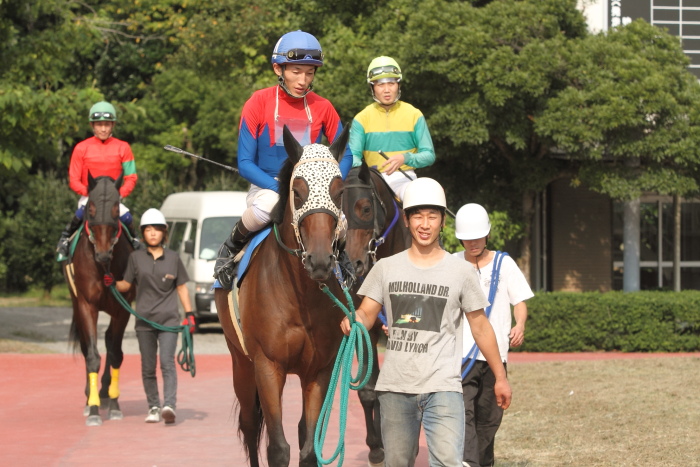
point(392, 126)
point(261, 154)
point(102, 154)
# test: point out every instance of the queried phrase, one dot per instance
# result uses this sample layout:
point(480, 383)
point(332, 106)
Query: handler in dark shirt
point(159, 274)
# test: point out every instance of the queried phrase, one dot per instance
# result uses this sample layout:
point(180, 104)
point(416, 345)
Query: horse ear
point(340, 143)
point(291, 145)
point(118, 181)
point(91, 182)
point(364, 174)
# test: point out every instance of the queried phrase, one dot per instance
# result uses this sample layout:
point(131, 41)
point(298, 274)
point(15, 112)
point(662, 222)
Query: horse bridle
point(113, 242)
point(378, 237)
point(299, 214)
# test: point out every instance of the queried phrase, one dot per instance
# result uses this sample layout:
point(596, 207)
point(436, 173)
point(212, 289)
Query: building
point(583, 249)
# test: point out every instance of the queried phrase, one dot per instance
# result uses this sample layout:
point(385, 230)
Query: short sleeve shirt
point(156, 283)
point(425, 315)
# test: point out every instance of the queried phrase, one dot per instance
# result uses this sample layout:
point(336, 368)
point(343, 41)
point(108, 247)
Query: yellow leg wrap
point(94, 397)
point(114, 385)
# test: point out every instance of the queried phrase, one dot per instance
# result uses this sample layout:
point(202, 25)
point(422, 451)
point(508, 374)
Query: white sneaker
point(168, 414)
point(153, 415)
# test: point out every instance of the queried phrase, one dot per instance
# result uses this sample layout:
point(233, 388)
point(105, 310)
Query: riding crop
point(185, 153)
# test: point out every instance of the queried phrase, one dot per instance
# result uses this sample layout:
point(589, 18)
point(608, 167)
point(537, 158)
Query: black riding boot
point(134, 236)
point(64, 241)
point(225, 267)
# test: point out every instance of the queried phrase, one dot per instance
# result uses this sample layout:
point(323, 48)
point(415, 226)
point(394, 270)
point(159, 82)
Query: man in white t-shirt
point(426, 292)
point(482, 413)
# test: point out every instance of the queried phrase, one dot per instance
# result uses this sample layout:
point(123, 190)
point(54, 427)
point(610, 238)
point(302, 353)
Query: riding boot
point(225, 267)
point(64, 241)
point(134, 236)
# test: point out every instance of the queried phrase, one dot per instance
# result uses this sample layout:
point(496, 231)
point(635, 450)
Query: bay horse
point(102, 248)
point(375, 230)
point(288, 324)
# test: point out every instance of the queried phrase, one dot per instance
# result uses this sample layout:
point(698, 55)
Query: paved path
point(41, 421)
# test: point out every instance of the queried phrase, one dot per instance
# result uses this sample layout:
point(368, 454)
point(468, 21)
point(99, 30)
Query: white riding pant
point(260, 203)
point(398, 181)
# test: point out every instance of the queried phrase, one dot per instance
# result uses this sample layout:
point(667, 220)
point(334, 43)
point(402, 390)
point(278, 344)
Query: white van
point(198, 223)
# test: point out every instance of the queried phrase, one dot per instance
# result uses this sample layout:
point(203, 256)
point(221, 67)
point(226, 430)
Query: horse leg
point(370, 405)
point(86, 318)
point(270, 379)
point(115, 356)
point(250, 417)
point(314, 391)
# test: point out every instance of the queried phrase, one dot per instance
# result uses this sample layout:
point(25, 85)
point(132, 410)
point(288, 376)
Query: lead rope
point(185, 357)
point(355, 342)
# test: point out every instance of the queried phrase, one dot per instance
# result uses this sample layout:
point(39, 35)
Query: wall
point(580, 229)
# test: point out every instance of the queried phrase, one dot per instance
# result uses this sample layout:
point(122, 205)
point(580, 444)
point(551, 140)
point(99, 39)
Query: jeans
point(148, 346)
point(442, 416)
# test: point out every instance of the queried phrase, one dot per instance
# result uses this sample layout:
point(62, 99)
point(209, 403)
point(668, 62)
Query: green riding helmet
point(383, 67)
point(103, 112)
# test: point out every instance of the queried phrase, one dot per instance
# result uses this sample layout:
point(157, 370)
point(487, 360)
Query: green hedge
point(613, 321)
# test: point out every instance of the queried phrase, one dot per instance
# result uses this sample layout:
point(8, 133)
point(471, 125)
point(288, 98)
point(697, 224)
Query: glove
point(189, 321)
point(108, 279)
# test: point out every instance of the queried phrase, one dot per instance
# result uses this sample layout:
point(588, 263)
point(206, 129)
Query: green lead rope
point(355, 342)
point(185, 357)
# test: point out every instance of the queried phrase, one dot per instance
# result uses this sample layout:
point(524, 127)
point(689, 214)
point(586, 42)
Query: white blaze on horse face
point(318, 167)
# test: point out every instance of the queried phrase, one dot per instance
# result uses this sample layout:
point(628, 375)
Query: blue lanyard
point(495, 276)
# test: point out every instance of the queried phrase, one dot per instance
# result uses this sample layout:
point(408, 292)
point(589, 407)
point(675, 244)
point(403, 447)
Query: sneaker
point(153, 415)
point(168, 414)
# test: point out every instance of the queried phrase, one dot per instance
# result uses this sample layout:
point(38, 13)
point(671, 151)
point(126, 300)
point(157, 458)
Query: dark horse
point(375, 230)
point(288, 324)
point(102, 247)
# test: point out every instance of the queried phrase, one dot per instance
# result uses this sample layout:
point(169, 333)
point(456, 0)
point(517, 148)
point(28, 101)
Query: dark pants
point(482, 416)
point(148, 345)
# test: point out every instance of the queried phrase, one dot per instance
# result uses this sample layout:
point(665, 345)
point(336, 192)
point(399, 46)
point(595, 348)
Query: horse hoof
point(376, 458)
point(116, 415)
point(93, 420)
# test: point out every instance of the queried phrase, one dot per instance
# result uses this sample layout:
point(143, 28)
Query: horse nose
point(103, 257)
point(319, 267)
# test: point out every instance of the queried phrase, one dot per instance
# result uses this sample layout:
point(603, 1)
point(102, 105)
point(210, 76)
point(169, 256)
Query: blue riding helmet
point(298, 47)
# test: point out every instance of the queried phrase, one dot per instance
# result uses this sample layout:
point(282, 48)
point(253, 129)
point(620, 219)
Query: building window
point(656, 244)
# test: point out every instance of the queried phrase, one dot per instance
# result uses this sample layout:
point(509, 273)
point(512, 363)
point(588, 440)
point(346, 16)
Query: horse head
point(102, 225)
point(366, 212)
point(314, 200)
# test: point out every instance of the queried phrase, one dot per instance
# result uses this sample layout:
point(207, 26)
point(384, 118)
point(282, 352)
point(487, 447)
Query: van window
point(177, 234)
point(214, 232)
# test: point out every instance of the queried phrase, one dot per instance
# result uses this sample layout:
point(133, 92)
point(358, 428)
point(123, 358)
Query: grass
point(36, 297)
point(602, 413)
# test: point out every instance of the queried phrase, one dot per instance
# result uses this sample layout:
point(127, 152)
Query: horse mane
point(284, 177)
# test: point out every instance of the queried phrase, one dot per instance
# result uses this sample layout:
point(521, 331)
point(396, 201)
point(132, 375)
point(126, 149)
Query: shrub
point(613, 321)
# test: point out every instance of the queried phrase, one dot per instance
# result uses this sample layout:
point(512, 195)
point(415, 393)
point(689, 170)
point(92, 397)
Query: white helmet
point(472, 222)
point(424, 191)
point(153, 217)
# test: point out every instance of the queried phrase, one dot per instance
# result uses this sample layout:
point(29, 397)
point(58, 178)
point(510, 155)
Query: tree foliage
point(516, 93)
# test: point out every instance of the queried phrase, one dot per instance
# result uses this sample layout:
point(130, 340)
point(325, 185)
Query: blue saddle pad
point(247, 256)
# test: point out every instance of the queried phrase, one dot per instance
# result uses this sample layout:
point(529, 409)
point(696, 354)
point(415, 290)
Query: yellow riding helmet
point(383, 67)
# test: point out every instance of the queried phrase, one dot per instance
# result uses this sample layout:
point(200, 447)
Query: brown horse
point(288, 324)
point(102, 248)
point(375, 230)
